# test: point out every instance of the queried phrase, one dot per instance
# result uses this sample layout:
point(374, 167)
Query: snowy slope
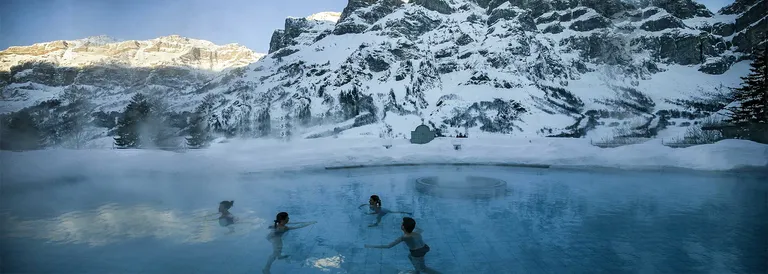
point(544, 68)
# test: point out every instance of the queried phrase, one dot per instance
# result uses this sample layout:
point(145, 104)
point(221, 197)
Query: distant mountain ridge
point(170, 50)
point(111, 68)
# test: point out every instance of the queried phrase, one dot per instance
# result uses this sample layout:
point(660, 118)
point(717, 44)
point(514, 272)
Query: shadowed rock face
point(359, 15)
point(440, 6)
point(683, 9)
point(606, 8)
point(666, 22)
point(303, 31)
point(750, 26)
point(739, 6)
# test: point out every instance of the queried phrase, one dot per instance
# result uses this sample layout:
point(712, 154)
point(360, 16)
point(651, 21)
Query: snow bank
point(247, 156)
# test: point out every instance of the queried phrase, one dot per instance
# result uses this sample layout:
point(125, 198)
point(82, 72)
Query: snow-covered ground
point(246, 156)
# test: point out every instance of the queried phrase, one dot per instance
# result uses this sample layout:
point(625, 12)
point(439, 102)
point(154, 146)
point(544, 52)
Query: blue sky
point(247, 22)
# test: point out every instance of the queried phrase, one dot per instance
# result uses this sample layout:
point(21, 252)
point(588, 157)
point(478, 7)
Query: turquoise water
point(541, 221)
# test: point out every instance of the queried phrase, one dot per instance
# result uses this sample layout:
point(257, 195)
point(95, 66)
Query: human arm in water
point(362, 205)
point(390, 245)
point(205, 217)
point(381, 210)
point(304, 224)
point(223, 215)
point(301, 223)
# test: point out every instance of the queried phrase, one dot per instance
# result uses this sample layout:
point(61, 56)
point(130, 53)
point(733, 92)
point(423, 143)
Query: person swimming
point(226, 218)
point(374, 203)
point(276, 237)
point(413, 239)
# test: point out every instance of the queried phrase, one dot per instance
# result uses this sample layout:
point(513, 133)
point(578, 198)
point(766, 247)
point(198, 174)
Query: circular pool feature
point(462, 187)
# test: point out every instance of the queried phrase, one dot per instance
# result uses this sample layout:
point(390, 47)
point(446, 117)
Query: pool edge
point(438, 164)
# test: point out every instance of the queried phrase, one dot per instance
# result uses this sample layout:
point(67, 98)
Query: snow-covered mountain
point(528, 68)
point(166, 51)
point(304, 31)
point(113, 69)
point(537, 67)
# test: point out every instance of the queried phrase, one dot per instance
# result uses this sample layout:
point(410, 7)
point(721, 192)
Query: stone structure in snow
point(422, 135)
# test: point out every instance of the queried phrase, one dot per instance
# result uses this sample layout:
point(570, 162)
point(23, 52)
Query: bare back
point(413, 240)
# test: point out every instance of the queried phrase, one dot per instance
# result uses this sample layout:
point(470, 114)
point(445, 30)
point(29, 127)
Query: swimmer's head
point(409, 224)
point(226, 205)
point(375, 201)
point(281, 219)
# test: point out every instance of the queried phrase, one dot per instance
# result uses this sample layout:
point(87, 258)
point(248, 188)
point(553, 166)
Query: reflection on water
point(113, 223)
point(550, 221)
point(326, 264)
point(469, 187)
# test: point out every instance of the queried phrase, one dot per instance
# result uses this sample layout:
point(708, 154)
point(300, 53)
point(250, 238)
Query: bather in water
point(226, 219)
point(412, 238)
point(374, 203)
point(276, 237)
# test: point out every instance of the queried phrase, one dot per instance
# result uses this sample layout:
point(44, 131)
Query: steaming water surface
point(543, 221)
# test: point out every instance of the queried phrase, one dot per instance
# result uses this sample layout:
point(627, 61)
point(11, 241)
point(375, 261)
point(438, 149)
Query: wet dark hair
point(280, 217)
point(409, 224)
point(376, 200)
point(227, 204)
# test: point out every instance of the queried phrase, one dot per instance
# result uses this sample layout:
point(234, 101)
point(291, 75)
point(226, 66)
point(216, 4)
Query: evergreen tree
point(199, 136)
point(305, 114)
point(128, 126)
point(245, 123)
point(156, 129)
point(752, 96)
point(47, 119)
point(321, 91)
point(264, 121)
point(287, 127)
point(200, 128)
point(349, 103)
point(21, 133)
point(76, 118)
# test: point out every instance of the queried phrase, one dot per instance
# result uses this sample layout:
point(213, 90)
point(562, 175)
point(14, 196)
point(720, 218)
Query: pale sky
point(246, 22)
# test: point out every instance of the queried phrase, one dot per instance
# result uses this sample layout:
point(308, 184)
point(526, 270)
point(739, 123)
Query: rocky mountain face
point(537, 67)
point(112, 70)
point(570, 68)
point(303, 32)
